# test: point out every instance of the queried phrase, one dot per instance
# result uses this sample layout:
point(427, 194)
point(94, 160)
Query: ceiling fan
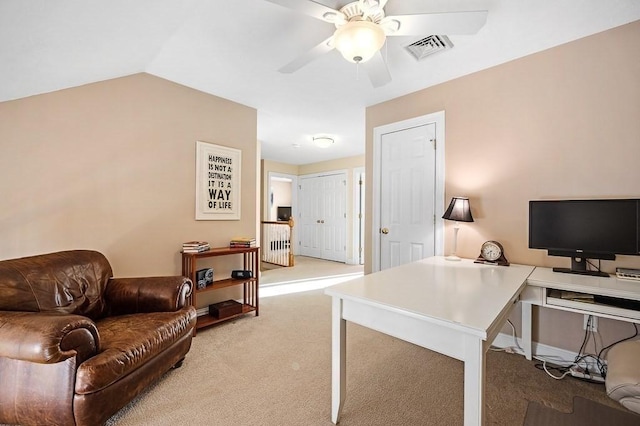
point(362, 28)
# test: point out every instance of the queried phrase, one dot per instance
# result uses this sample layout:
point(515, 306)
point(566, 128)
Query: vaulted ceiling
point(234, 48)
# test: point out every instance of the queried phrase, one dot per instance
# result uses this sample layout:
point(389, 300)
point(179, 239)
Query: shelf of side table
point(250, 303)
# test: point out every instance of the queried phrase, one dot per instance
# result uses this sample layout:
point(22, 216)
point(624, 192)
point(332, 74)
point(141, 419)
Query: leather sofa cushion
point(128, 342)
point(68, 282)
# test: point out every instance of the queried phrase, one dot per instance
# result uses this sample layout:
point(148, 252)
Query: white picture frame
point(218, 172)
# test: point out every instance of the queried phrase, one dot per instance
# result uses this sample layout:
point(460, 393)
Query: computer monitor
point(284, 213)
point(585, 229)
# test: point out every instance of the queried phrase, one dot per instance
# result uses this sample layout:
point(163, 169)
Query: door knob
point(322, 221)
point(385, 231)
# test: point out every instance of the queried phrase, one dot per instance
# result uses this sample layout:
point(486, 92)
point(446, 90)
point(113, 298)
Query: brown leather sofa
point(76, 344)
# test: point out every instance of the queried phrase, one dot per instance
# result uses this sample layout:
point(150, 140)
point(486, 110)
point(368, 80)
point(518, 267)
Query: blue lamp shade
point(458, 210)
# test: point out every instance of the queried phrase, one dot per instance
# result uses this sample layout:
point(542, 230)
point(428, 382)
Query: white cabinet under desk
point(606, 297)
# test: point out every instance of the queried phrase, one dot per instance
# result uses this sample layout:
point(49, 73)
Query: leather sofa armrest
point(147, 294)
point(47, 338)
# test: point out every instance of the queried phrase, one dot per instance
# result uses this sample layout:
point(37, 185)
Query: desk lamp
point(458, 211)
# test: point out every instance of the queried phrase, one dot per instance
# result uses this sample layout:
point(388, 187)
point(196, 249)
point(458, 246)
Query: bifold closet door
point(323, 220)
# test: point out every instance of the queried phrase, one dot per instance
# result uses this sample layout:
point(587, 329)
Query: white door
point(334, 218)
point(310, 197)
point(323, 222)
point(407, 195)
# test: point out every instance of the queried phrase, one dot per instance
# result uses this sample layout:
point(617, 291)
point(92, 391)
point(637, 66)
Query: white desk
point(455, 308)
point(544, 279)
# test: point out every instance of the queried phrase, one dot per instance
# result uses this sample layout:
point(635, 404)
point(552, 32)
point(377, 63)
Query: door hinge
point(345, 215)
point(344, 182)
point(433, 141)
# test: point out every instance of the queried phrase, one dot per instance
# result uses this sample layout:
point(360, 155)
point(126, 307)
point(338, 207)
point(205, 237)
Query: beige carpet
point(275, 370)
point(305, 268)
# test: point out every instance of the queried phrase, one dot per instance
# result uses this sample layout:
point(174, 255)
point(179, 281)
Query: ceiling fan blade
point(449, 23)
point(377, 69)
point(308, 56)
point(311, 8)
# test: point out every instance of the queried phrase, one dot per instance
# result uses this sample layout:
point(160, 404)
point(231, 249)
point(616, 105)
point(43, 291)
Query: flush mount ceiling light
point(322, 141)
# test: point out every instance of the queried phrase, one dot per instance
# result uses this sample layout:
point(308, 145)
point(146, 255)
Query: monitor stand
point(579, 266)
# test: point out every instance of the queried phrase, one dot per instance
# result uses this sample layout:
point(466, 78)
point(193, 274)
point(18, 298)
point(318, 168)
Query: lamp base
point(453, 257)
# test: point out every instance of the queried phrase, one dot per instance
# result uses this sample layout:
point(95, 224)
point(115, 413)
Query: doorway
point(280, 203)
point(323, 216)
point(408, 191)
point(281, 195)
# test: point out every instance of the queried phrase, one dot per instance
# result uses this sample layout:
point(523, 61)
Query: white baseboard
point(540, 350)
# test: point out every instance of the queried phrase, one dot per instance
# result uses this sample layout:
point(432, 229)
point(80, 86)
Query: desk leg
point(526, 329)
point(474, 372)
point(338, 360)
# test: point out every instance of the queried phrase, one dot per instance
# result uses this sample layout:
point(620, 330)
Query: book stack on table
point(243, 242)
point(195, 246)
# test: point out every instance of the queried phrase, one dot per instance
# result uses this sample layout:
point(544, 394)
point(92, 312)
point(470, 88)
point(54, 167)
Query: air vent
point(428, 46)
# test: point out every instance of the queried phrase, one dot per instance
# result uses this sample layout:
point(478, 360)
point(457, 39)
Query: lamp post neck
point(456, 228)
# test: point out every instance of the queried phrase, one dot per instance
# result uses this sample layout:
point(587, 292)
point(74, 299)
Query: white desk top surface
point(461, 294)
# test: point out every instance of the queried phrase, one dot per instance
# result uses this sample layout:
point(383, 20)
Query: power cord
point(602, 366)
point(581, 360)
point(565, 370)
point(596, 268)
point(509, 349)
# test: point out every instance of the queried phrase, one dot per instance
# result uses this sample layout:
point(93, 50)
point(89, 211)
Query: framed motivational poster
point(217, 182)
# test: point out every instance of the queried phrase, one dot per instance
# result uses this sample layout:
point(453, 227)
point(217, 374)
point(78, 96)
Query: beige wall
point(563, 123)
point(110, 166)
point(281, 192)
point(347, 163)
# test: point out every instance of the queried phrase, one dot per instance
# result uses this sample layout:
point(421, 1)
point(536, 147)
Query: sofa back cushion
point(70, 282)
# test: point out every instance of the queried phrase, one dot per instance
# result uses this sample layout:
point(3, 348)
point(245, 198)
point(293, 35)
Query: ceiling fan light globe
point(358, 41)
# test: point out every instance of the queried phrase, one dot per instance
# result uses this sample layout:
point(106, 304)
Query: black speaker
point(241, 274)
